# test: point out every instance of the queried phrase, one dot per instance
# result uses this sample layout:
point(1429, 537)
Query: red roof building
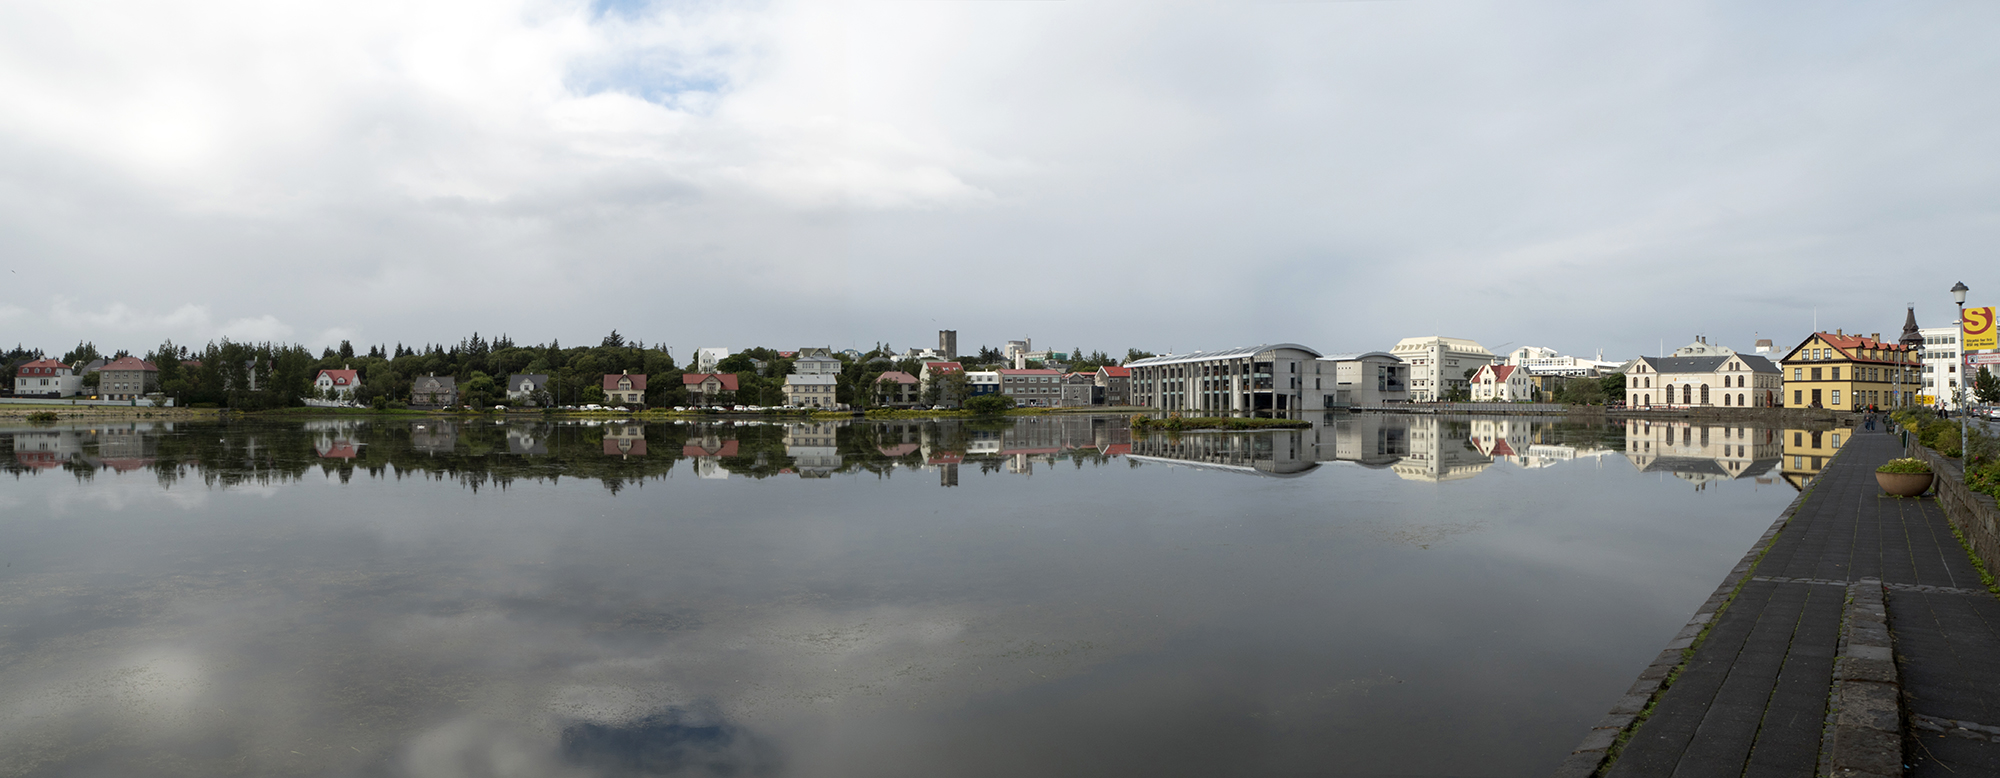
point(708, 388)
point(625, 388)
point(127, 378)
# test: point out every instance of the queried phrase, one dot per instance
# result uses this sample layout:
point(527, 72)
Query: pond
point(1042, 595)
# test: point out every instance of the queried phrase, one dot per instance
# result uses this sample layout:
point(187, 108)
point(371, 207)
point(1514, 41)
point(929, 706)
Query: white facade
point(46, 378)
point(1717, 381)
point(812, 382)
point(1501, 384)
point(1702, 348)
point(707, 358)
point(1546, 361)
point(1368, 379)
point(1942, 359)
point(1272, 377)
point(1438, 365)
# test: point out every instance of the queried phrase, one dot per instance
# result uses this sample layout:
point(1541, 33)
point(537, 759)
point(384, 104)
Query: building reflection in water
point(1413, 447)
point(1700, 452)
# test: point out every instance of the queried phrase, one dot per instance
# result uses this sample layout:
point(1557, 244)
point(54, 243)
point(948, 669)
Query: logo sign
point(1979, 333)
point(1983, 359)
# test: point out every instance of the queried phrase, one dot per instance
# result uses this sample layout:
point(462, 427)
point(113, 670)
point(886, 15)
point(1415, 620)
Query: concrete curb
point(1591, 755)
point(1865, 738)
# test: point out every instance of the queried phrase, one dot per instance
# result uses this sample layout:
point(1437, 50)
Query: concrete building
point(1032, 388)
point(934, 372)
point(1079, 390)
point(1941, 357)
point(528, 388)
point(340, 383)
point(1540, 361)
point(1702, 348)
point(1116, 383)
point(1270, 377)
point(46, 378)
point(1439, 365)
point(814, 379)
point(709, 388)
point(1722, 381)
point(434, 391)
point(624, 388)
point(983, 381)
point(814, 448)
point(1016, 350)
point(896, 389)
point(948, 344)
point(706, 359)
point(1850, 372)
point(1365, 379)
point(127, 378)
point(1501, 384)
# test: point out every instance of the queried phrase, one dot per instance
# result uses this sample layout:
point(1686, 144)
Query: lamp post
point(1958, 291)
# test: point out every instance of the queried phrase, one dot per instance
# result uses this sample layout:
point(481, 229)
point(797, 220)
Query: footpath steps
point(1800, 676)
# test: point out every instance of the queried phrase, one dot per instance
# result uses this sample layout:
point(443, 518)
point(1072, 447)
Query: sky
point(1166, 175)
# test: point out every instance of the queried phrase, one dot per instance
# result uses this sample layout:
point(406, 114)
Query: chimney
point(1837, 331)
point(1875, 336)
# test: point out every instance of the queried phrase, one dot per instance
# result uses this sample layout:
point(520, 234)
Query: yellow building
point(1807, 452)
point(1850, 372)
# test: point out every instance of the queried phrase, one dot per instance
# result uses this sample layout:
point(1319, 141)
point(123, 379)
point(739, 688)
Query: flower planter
point(1905, 484)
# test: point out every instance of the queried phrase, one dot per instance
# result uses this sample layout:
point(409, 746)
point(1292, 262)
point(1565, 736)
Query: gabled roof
point(1500, 372)
point(50, 365)
point(1205, 356)
point(724, 448)
point(1114, 371)
point(1847, 345)
point(535, 380)
point(638, 381)
point(131, 363)
point(943, 366)
point(341, 377)
point(897, 376)
point(438, 381)
point(696, 379)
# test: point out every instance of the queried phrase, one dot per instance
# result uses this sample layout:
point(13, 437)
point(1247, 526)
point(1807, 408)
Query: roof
point(896, 375)
point(725, 448)
point(943, 367)
point(696, 379)
point(1356, 356)
point(1206, 356)
point(342, 377)
point(1500, 372)
point(1455, 344)
point(611, 381)
point(45, 364)
point(131, 363)
point(538, 380)
point(1756, 363)
point(1028, 371)
point(441, 381)
point(1847, 344)
point(1114, 371)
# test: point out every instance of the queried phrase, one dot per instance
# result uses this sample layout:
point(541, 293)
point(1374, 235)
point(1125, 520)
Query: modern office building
point(1365, 379)
point(1939, 351)
point(1270, 377)
point(1439, 365)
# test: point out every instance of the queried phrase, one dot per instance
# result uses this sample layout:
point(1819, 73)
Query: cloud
point(1361, 171)
point(189, 323)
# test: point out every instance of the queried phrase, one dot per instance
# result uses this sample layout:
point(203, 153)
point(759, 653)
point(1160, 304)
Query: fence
point(78, 401)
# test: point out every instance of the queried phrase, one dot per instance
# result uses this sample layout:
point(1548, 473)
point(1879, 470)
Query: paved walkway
point(1753, 699)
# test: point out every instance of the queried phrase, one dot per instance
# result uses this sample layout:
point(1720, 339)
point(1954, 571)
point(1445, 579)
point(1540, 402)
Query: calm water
point(1374, 596)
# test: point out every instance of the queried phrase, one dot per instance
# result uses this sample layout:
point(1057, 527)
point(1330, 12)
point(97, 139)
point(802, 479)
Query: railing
point(1493, 408)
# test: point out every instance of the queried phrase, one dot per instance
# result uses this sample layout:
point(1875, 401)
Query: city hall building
point(1272, 377)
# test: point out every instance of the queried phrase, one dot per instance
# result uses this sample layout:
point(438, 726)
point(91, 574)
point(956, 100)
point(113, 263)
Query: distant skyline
point(1104, 175)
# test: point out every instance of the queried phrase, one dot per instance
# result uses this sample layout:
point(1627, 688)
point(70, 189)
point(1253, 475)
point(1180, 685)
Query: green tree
point(989, 404)
point(1985, 387)
point(1134, 355)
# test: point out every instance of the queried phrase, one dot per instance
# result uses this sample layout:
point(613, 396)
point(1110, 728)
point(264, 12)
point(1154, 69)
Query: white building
point(46, 378)
point(1501, 384)
point(1365, 379)
point(1702, 348)
point(1729, 380)
point(1942, 358)
point(813, 380)
point(707, 358)
point(1439, 365)
point(1270, 377)
point(1540, 361)
point(340, 384)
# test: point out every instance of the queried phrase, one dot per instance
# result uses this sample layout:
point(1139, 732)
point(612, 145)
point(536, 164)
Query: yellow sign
point(1979, 333)
point(1925, 399)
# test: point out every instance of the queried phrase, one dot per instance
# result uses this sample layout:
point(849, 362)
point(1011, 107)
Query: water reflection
point(478, 452)
point(532, 598)
point(1806, 452)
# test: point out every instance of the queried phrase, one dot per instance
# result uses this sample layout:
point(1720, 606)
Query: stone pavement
point(1805, 624)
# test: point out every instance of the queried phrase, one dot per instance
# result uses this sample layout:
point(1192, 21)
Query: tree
point(614, 340)
point(1134, 355)
point(1985, 387)
point(988, 404)
point(85, 351)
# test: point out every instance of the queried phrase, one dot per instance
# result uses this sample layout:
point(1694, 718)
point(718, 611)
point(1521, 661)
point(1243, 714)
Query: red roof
point(898, 376)
point(611, 381)
point(945, 458)
point(897, 450)
point(693, 449)
point(40, 460)
point(1501, 449)
point(41, 367)
point(339, 450)
point(131, 363)
point(622, 447)
point(342, 377)
point(943, 366)
point(1114, 371)
point(695, 379)
point(1848, 343)
point(1500, 372)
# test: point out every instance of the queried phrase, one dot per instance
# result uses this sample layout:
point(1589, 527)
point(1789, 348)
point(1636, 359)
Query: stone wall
point(1975, 515)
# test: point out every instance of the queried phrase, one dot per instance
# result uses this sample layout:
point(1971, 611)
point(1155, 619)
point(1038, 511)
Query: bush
point(1909, 466)
point(397, 405)
point(43, 417)
point(987, 404)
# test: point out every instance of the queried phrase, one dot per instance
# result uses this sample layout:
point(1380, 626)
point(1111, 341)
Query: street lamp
point(1958, 291)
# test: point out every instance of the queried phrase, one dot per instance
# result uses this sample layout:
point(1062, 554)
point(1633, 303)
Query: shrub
point(398, 405)
point(43, 417)
point(1911, 466)
point(990, 404)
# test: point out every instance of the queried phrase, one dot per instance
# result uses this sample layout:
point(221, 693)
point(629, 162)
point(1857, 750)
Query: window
point(1798, 374)
point(1836, 397)
point(1836, 377)
point(1798, 397)
point(1815, 374)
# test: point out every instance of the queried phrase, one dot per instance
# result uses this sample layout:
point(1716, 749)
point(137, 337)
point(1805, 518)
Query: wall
point(1974, 514)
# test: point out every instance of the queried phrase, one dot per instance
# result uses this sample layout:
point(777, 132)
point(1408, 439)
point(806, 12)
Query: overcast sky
point(1166, 175)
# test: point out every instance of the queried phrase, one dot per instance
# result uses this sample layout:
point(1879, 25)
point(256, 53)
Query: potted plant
point(1905, 477)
